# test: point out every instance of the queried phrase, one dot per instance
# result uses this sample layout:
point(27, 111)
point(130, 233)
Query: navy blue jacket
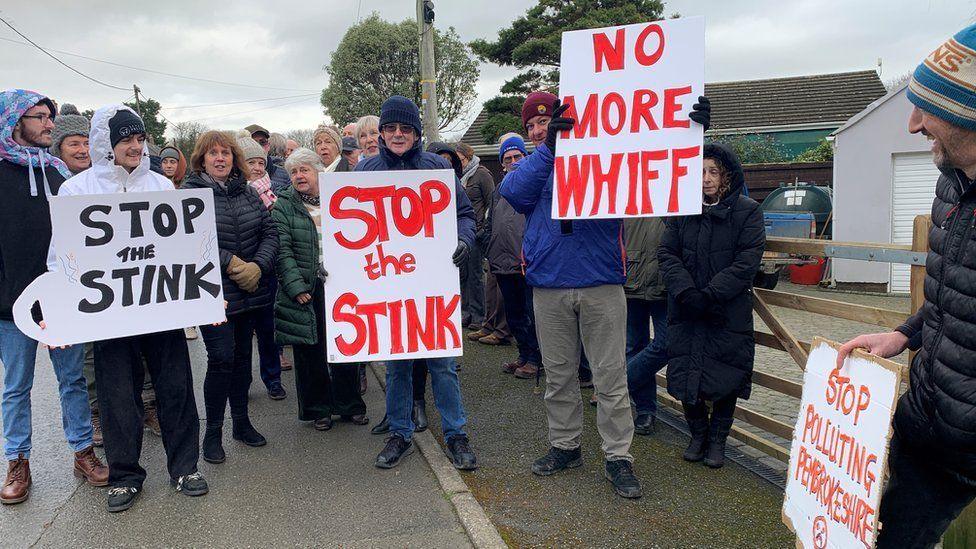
point(417, 159)
point(561, 254)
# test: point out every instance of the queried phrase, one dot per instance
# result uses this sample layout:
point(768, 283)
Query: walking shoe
point(151, 420)
point(492, 339)
point(97, 438)
point(285, 363)
point(620, 473)
point(276, 391)
point(396, 449)
point(699, 439)
point(358, 419)
point(478, 334)
point(121, 498)
point(382, 427)
point(190, 332)
point(213, 447)
point(419, 416)
point(191, 485)
point(90, 468)
point(645, 424)
point(461, 453)
point(527, 371)
point(246, 433)
point(510, 367)
point(322, 424)
point(16, 487)
point(556, 460)
point(718, 433)
point(363, 380)
point(594, 401)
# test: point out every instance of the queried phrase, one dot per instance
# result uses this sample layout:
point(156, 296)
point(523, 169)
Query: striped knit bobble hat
point(944, 84)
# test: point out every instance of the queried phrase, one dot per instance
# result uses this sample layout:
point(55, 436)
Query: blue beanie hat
point(944, 84)
point(401, 110)
point(511, 144)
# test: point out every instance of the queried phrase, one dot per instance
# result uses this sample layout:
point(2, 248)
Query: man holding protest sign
point(932, 459)
point(30, 177)
point(400, 149)
point(121, 165)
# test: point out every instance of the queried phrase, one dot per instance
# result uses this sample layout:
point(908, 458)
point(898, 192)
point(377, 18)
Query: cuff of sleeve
point(914, 336)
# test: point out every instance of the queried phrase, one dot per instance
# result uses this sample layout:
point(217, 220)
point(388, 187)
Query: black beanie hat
point(124, 124)
point(402, 110)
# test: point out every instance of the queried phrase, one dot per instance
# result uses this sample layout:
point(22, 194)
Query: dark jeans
point(517, 302)
point(721, 409)
point(321, 393)
point(228, 365)
point(119, 374)
point(473, 286)
point(920, 500)
point(268, 351)
point(645, 357)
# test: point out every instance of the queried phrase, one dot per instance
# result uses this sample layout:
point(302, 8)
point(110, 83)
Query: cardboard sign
point(633, 151)
point(387, 239)
point(127, 264)
point(840, 449)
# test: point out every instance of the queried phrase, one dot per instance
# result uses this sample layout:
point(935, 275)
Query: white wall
point(862, 182)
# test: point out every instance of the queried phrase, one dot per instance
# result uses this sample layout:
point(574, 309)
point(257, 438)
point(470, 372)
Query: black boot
point(246, 433)
point(699, 438)
point(213, 448)
point(420, 422)
point(718, 432)
point(382, 427)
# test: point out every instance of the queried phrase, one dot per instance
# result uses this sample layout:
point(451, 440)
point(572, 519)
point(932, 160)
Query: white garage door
point(913, 189)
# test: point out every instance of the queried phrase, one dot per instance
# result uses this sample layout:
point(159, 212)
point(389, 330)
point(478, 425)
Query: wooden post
point(920, 244)
point(428, 76)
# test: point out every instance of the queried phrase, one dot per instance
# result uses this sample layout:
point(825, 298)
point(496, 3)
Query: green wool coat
point(298, 261)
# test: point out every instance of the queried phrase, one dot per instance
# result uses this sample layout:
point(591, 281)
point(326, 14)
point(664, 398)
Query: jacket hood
point(439, 147)
point(408, 157)
point(103, 159)
point(728, 158)
point(13, 104)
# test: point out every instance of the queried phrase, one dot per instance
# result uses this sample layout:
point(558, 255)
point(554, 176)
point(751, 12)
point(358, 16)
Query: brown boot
point(90, 468)
point(527, 371)
point(152, 421)
point(510, 367)
point(475, 336)
point(97, 438)
point(16, 488)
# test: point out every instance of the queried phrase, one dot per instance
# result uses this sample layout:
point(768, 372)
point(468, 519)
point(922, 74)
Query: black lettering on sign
point(90, 280)
point(135, 209)
point(164, 220)
point(105, 227)
point(192, 209)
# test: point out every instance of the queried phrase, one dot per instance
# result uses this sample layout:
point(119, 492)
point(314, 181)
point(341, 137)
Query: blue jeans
point(447, 396)
point(269, 353)
point(645, 356)
point(18, 354)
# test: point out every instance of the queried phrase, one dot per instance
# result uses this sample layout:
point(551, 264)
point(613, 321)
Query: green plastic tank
point(804, 198)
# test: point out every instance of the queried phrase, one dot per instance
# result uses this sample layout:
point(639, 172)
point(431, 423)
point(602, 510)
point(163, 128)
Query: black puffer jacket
point(717, 252)
point(244, 229)
point(938, 412)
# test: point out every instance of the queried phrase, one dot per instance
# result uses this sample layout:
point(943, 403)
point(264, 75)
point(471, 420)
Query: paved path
point(305, 488)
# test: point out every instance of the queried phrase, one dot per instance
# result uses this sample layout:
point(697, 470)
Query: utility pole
point(138, 103)
point(428, 79)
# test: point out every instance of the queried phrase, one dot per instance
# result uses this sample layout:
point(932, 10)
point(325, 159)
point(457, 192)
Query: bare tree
point(898, 81)
point(302, 137)
point(185, 136)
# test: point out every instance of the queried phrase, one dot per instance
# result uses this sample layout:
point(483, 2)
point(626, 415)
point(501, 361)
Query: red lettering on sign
point(608, 180)
point(605, 52)
point(678, 171)
point(433, 198)
point(640, 49)
point(672, 107)
point(431, 329)
point(572, 185)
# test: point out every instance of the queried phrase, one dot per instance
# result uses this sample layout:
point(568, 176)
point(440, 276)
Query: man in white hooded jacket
point(120, 163)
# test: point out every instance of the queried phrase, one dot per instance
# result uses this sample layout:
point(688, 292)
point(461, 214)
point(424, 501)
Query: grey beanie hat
point(68, 122)
point(169, 151)
point(251, 148)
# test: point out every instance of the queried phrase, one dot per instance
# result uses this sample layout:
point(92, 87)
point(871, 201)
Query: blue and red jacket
point(561, 254)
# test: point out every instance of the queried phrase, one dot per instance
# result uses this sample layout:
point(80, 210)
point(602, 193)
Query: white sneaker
point(191, 332)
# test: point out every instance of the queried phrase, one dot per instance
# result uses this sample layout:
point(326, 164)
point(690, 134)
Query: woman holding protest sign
point(708, 262)
point(248, 243)
point(300, 305)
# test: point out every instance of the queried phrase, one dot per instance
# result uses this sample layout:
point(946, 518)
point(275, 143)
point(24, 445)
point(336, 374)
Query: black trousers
point(119, 374)
point(517, 302)
point(721, 409)
point(419, 378)
point(921, 499)
point(322, 393)
point(229, 364)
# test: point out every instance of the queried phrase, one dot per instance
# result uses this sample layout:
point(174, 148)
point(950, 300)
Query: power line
point(151, 71)
point(240, 102)
point(5, 22)
point(247, 112)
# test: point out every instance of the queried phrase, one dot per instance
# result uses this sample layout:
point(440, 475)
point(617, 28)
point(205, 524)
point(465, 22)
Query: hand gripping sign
point(127, 264)
point(840, 449)
point(633, 151)
point(387, 239)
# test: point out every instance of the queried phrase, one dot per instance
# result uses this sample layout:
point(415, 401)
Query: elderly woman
point(248, 243)
point(327, 145)
point(368, 134)
point(300, 306)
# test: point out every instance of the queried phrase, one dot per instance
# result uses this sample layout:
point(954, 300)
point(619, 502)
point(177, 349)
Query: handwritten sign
point(633, 151)
point(387, 239)
point(127, 264)
point(840, 449)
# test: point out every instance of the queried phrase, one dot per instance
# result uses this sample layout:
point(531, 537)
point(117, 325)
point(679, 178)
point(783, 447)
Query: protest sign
point(840, 449)
point(127, 264)
point(633, 151)
point(387, 238)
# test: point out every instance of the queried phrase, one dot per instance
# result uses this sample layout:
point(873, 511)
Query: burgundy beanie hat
point(537, 103)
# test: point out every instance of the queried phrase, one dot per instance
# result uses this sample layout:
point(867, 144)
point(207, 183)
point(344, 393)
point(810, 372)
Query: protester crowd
point(577, 297)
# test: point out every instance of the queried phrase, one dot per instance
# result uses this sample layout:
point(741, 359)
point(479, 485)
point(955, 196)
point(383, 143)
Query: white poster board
point(393, 292)
point(633, 151)
point(840, 449)
point(127, 264)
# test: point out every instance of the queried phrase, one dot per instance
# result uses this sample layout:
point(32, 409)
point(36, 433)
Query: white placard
point(633, 152)
point(127, 264)
point(840, 449)
point(393, 292)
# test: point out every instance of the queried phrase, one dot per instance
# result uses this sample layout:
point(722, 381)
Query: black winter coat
point(244, 229)
point(938, 412)
point(717, 252)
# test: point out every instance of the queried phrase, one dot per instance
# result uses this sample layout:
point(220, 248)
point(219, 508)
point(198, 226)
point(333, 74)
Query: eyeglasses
point(42, 118)
point(405, 129)
point(512, 159)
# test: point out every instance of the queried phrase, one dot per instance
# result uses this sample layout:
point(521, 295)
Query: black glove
point(557, 124)
point(693, 303)
point(701, 112)
point(460, 253)
point(321, 273)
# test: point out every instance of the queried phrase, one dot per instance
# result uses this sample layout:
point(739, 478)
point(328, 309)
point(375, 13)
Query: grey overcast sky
point(285, 44)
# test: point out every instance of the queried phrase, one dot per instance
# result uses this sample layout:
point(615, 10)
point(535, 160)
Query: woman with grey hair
point(300, 305)
point(276, 145)
point(368, 134)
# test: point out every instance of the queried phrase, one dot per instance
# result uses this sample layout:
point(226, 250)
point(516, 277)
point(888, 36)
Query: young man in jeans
point(30, 177)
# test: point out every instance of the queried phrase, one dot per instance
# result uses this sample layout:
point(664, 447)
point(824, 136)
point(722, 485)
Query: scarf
point(309, 199)
point(13, 105)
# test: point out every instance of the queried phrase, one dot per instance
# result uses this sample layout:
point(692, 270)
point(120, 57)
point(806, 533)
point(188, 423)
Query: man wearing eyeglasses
point(30, 176)
point(401, 149)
